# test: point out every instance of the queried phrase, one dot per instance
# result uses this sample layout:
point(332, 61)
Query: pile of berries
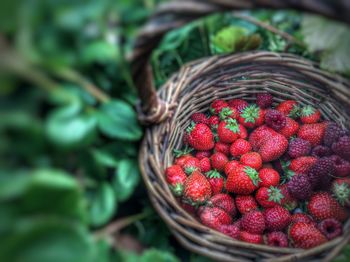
point(265, 175)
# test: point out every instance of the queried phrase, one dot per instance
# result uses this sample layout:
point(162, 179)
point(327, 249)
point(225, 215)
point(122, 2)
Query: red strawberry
point(199, 118)
point(197, 189)
point(268, 177)
point(277, 239)
point(312, 132)
point(243, 133)
point(245, 203)
point(218, 161)
point(176, 178)
point(251, 238)
point(230, 230)
point(217, 106)
point(259, 136)
point(200, 137)
point(268, 197)
point(299, 217)
point(251, 159)
point(273, 148)
point(306, 235)
point(213, 121)
point(288, 201)
point(309, 115)
point(228, 112)
point(289, 108)
point(202, 154)
point(222, 148)
point(291, 128)
point(277, 218)
point(252, 116)
point(240, 147)
point(253, 222)
point(341, 191)
point(230, 166)
point(322, 206)
point(216, 181)
point(182, 159)
point(228, 131)
point(214, 217)
point(188, 208)
point(243, 180)
point(205, 165)
point(225, 202)
point(303, 164)
point(191, 164)
point(238, 104)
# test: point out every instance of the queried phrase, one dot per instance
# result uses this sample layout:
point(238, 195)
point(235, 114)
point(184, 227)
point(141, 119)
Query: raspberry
point(299, 187)
point(299, 147)
point(320, 174)
point(230, 230)
point(321, 151)
point(275, 119)
point(331, 228)
point(342, 167)
point(342, 147)
point(332, 133)
point(199, 118)
point(277, 239)
point(264, 100)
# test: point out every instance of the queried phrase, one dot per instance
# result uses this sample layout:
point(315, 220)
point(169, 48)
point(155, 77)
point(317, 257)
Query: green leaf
point(99, 51)
point(226, 39)
point(117, 119)
point(152, 255)
point(126, 178)
point(104, 157)
point(67, 127)
point(42, 239)
point(330, 38)
point(103, 205)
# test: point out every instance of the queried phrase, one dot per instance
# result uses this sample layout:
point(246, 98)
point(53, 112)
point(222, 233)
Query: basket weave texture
point(193, 89)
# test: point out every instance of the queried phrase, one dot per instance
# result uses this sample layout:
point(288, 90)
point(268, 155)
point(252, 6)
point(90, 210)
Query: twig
point(115, 226)
point(268, 27)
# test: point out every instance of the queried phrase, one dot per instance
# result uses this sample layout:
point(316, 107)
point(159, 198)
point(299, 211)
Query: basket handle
point(177, 13)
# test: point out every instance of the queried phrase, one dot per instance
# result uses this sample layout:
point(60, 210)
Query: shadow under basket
point(235, 76)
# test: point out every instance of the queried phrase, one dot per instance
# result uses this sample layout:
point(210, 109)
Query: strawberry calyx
point(307, 111)
point(178, 153)
point(190, 170)
point(232, 125)
point(213, 174)
point(250, 113)
point(275, 194)
point(342, 193)
point(287, 173)
point(253, 174)
point(226, 112)
point(295, 112)
point(177, 189)
point(191, 127)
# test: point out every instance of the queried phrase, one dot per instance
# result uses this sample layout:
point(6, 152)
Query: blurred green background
point(70, 188)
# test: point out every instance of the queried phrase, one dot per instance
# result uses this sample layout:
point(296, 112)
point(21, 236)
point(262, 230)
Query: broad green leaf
point(330, 38)
point(99, 51)
point(226, 39)
point(104, 157)
point(117, 119)
point(126, 178)
point(152, 255)
point(45, 238)
point(103, 205)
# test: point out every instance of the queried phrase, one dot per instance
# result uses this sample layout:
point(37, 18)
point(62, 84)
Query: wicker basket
point(167, 113)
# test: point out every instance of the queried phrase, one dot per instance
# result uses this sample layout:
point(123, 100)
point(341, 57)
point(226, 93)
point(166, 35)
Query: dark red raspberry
point(321, 151)
point(300, 187)
point(331, 228)
point(275, 119)
point(320, 174)
point(342, 147)
point(230, 230)
point(342, 167)
point(299, 147)
point(264, 100)
point(332, 133)
point(200, 118)
point(277, 239)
